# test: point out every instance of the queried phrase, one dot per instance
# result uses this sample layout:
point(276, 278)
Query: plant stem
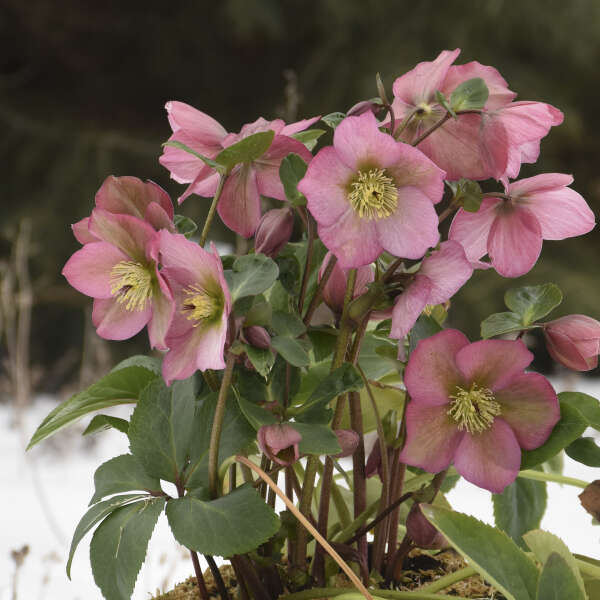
point(305, 510)
point(211, 211)
point(217, 577)
point(448, 580)
point(429, 131)
point(310, 231)
point(215, 434)
point(316, 299)
point(541, 476)
point(202, 591)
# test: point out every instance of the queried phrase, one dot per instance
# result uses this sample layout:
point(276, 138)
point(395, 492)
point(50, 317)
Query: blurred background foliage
point(83, 86)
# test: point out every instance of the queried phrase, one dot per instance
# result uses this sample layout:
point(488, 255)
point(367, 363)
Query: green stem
point(313, 593)
point(215, 434)
point(448, 580)
point(310, 231)
point(304, 507)
point(316, 299)
point(541, 476)
point(211, 211)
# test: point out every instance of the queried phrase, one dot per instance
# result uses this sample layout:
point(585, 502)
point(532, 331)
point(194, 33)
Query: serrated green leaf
point(291, 171)
point(570, 426)
point(252, 274)
point(316, 439)
point(232, 524)
point(246, 150)
point(587, 406)
point(103, 422)
point(495, 556)
point(584, 450)
point(558, 581)
point(122, 474)
point(469, 95)
point(262, 359)
point(185, 225)
point(590, 573)
point(119, 545)
point(501, 323)
point(122, 385)
point(162, 428)
point(211, 163)
point(333, 119)
point(533, 302)
point(294, 351)
point(95, 514)
point(309, 138)
point(520, 507)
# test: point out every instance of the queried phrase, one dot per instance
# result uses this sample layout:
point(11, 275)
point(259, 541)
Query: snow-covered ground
point(45, 493)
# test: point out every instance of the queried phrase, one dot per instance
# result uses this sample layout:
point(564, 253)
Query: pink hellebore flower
point(511, 231)
point(574, 341)
point(280, 443)
point(119, 269)
point(196, 338)
point(130, 196)
point(274, 231)
point(239, 205)
point(441, 275)
point(492, 143)
point(369, 193)
point(422, 532)
point(473, 405)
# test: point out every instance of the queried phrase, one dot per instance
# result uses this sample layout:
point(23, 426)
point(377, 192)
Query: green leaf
point(291, 171)
point(316, 439)
point(287, 324)
point(309, 138)
point(246, 150)
point(232, 524)
point(122, 474)
point(118, 547)
point(103, 422)
point(533, 302)
point(500, 323)
point(584, 450)
point(292, 350)
point(204, 159)
point(95, 514)
point(256, 416)
point(468, 193)
point(566, 431)
point(323, 341)
point(543, 544)
point(372, 362)
point(590, 574)
point(558, 581)
point(424, 327)
point(262, 359)
point(162, 428)
point(495, 556)
point(469, 95)
point(185, 225)
point(252, 274)
point(587, 406)
point(520, 507)
point(439, 96)
point(122, 385)
point(333, 119)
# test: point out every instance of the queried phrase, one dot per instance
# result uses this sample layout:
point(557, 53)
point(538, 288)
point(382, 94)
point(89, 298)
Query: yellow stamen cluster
point(199, 305)
point(131, 284)
point(474, 409)
point(373, 195)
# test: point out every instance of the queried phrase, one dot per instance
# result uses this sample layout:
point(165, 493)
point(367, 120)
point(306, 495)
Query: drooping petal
point(89, 269)
point(114, 322)
point(298, 126)
point(515, 242)
point(82, 233)
point(409, 305)
point(205, 184)
point(158, 217)
point(431, 374)
point(490, 459)
point(239, 206)
point(431, 437)
point(530, 406)
point(493, 363)
point(197, 123)
point(544, 182)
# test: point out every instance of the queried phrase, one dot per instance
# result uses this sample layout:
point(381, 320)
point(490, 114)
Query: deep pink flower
point(441, 275)
point(476, 146)
point(511, 231)
point(473, 405)
point(196, 338)
point(239, 206)
point(422, 532)
point(574, 341)
point(369, 193)
point(130, 196)
point(120, 271)
point(274, 231)
point(280, 443)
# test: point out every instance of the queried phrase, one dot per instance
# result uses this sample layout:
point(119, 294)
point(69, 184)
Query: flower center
point(423, 110)
point(131, 284)
point(199, 305)
point(373, 195)
point(474, 409)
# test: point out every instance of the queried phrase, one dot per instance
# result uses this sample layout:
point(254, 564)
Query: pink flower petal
point(409, 305)
point(568, 353)
point(158, 217)
point(89, 269)
point(431, 374)
point(539, 183)
point(530, 406)
point(491, 459)
point(82, 233)
point(431, 437)
point(205, 184)
point(298, 126)
point(515, 242)
point(239, 206)
point(184, 116)
point(163, 308)
point(114, 322)
point(493, 363)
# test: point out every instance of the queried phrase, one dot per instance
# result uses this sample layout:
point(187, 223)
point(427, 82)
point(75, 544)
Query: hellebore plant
point(270, 368)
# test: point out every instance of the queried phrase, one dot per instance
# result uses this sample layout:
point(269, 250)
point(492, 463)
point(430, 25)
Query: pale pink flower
point(279, 442)
point(511, 231)
point(574, 341)
point(493, 143)
point(197, 335)
point(239, 205)
point(370, 193)
point(473, 405)
point(119, 269)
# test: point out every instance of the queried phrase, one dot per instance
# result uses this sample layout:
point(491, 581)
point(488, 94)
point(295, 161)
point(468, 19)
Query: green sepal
point(469, 95)
point(246, 150)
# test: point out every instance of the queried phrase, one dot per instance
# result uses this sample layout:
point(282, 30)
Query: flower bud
point(574, 341)
point(274, 231)
point(280, 442)
point(348, 441)
point(590, 499)
point(374, 466)
point(364, 106)
point(257, 336)
point(422, 532)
